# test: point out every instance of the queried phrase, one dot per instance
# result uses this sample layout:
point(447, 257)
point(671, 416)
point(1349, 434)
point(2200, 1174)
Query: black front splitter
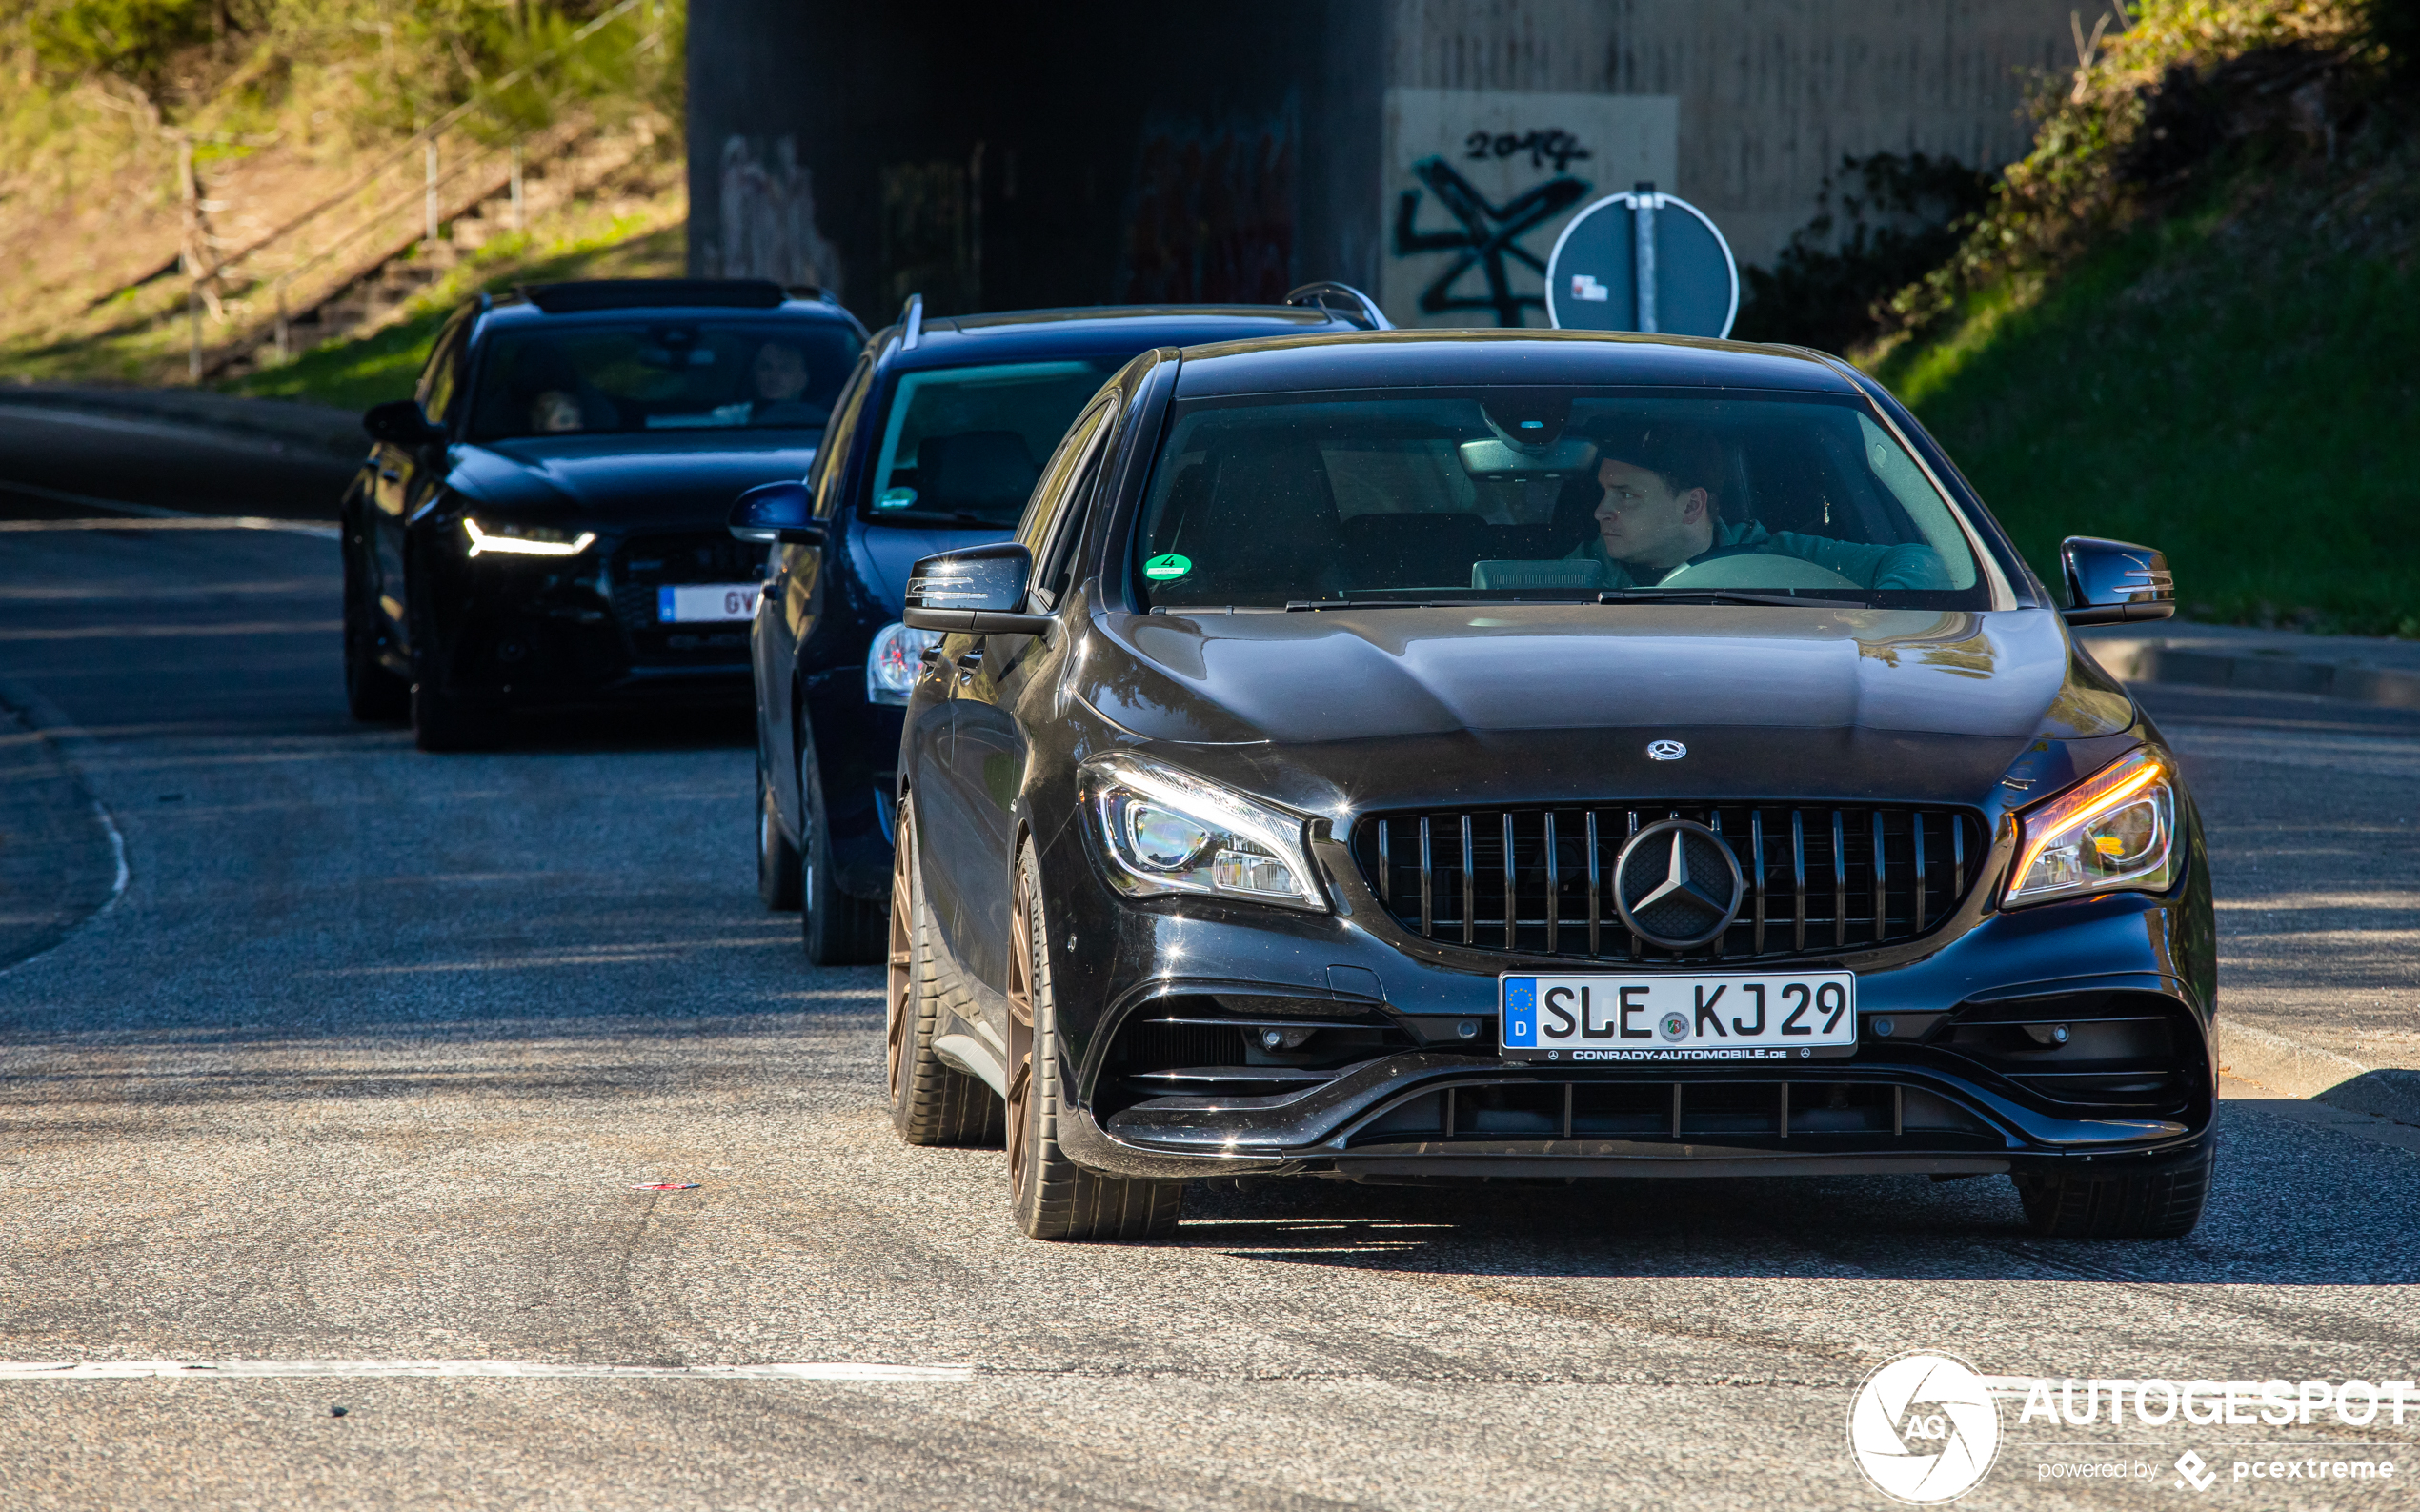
point(1178, 1138)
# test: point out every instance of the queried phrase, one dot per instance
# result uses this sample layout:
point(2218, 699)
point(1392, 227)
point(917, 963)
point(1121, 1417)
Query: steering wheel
point(1745, 566)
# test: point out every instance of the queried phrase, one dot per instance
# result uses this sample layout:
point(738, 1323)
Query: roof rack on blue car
point(645, 293)
point(1341, 299)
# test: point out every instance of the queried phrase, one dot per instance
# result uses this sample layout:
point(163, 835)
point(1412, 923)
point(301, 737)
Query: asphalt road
point(366, 1062)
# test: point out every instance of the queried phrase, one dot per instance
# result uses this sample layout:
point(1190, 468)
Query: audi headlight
point(2115, 830)
point(896, 661)
point(1167, 831)
point(512, 539)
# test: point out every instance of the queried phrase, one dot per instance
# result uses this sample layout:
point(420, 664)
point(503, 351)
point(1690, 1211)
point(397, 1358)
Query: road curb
point(2151, 661)
point(290, 421)
point(2289, 1066)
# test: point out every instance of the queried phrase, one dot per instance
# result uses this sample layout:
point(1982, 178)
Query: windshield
point(1502, 494)
point(965, 445)
point(657, 374)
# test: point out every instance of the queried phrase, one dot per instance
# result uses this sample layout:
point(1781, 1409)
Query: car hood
point(610, 478)
point(1558, 703)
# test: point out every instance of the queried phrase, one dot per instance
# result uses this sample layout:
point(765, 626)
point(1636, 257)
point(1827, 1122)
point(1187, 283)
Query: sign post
point(1643, 261)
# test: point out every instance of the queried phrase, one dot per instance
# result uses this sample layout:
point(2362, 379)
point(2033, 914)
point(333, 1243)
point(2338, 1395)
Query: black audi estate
point(541, 525)
point(1436, 756)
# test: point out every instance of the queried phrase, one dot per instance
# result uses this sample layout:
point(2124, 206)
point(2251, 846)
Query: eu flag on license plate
point(1521, 1011)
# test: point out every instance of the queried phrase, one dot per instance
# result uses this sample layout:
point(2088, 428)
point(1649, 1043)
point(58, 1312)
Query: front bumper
point(538, 633)
point(1961, 1087)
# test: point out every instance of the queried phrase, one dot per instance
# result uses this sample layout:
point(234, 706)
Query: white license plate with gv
point(706, 603)
point(1615, 1021)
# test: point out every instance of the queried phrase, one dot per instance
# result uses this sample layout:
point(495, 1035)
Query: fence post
point(430, 157)
point(193, 332)
point(284, 348)
point(520, 217)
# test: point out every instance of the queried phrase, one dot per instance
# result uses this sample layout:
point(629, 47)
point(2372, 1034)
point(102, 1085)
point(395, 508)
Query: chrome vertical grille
point(1821, 879)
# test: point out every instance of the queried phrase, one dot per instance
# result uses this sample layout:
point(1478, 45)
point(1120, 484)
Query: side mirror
point(2113, 583)
point(978, 590)
point(401, 423)
point(777, 511)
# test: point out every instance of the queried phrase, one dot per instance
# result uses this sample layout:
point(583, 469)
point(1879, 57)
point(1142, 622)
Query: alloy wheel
point(1021, 1037)
point(902, 980)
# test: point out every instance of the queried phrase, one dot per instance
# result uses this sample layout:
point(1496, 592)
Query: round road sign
point(1643, 261)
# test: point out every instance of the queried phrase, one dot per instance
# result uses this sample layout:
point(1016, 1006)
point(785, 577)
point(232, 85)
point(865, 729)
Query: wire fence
point(244, 292)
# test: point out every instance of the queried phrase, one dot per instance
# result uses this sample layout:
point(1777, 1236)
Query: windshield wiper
point(1300, 605)
point(1718, 595)
point(917, 516)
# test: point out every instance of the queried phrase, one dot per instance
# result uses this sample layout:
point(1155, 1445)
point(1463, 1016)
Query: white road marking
point(152, 516)
point(170, 632)
point(522, 1369)
point(117, 852)
point(189, 522)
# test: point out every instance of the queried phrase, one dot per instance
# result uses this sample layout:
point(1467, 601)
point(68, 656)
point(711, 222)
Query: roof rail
point(1329, 294)
point(641, 294)
point(814, 294)
point(912, 320)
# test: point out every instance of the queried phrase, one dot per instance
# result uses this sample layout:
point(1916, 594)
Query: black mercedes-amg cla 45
point(1420, 758)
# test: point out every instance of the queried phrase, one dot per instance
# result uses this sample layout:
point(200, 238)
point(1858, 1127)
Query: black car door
point(404, 476)
point(987, 755)
point(787, 606)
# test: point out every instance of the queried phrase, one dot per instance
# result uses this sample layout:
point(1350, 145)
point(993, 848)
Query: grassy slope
point(357, 373)
point(2233, 383)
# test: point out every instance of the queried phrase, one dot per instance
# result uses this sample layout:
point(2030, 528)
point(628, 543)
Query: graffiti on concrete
point(1211, 215)
point(1558, 146)
point(1479, 181)
point(768, 224)
point(1485, 238)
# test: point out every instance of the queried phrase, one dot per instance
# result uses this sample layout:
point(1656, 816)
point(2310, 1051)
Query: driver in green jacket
point(1662, 510)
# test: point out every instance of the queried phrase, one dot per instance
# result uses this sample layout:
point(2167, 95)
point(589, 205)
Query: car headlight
point(1166, 831)
point(2116, 829)
point(514, 539)
point(896, 661)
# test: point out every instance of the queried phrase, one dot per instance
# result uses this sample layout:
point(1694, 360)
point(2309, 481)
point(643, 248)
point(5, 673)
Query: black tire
point(2155, 1201)
point(836, 927)
point(776, 858)
point(374, 693)
point(440, 723)
point(931, 1102)
point(1052, 1196)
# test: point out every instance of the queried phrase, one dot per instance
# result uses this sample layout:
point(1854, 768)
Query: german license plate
point(1603, 1020)
point(706, 603)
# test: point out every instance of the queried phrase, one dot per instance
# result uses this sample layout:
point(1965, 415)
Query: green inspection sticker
point(1160, 569)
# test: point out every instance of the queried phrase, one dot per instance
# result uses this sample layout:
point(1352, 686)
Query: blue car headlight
point(894, 661)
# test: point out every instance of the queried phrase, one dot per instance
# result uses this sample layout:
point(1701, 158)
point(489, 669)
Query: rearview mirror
point(1491, 458)
point(777, 511)
point(980, 589)
point(399, 422)
point(2113, 582)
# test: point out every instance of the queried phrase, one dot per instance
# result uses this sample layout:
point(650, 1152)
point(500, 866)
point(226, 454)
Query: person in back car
point(1662, 510)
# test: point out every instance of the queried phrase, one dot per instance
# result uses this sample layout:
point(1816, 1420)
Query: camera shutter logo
point(1676, 885)
point(1923, 1430)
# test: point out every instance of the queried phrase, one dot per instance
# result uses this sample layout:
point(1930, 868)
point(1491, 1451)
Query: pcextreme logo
point(1923, 1430)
